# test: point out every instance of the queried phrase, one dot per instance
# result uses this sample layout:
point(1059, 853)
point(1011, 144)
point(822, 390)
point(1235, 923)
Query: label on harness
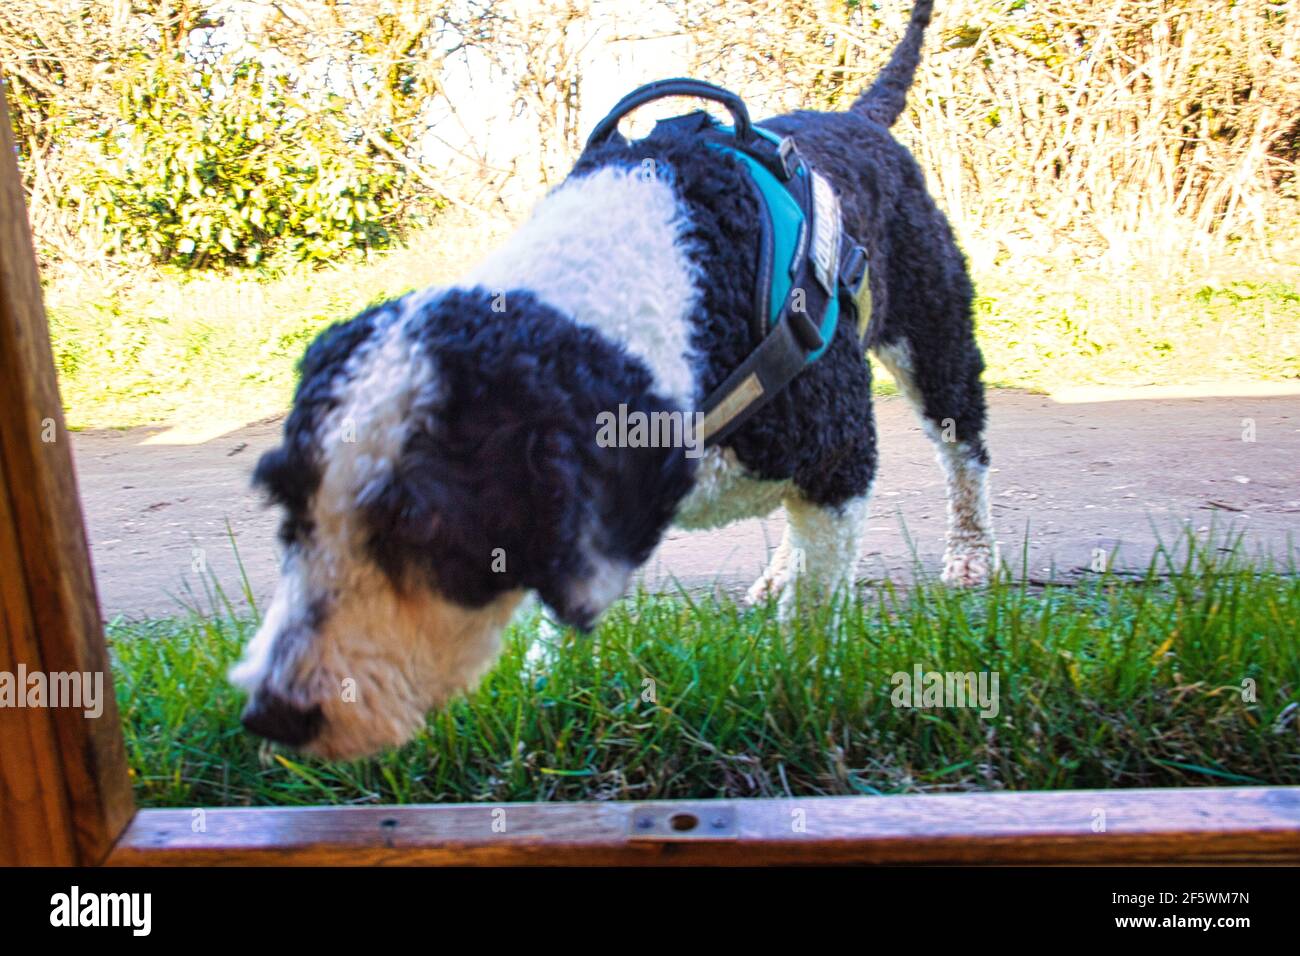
point(826, 233)
point(746, 393)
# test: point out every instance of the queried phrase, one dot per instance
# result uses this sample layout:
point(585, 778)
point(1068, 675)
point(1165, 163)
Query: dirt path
point(1068, 478)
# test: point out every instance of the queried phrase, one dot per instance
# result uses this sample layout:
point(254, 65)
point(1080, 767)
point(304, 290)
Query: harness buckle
point(788, 156)
point(779, 155)
point(805, 331)
point(854, 269)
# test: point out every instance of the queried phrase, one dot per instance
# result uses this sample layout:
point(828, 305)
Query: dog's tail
point(885, 100)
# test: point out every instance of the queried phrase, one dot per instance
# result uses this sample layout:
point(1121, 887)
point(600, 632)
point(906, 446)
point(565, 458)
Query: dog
point(439, 462)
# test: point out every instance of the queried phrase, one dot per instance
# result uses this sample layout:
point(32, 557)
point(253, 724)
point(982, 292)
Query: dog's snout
point(276, 719)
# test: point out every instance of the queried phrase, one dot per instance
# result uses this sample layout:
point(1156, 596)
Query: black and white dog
point(440, 461)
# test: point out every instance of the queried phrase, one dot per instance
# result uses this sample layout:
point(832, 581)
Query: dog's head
point(439, 463)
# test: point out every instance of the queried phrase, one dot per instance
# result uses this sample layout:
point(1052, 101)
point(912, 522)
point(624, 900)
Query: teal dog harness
point(812, 275)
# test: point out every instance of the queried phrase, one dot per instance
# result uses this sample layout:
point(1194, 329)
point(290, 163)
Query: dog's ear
point(492, 502)
point(400, 514)
point(274, 475)
point(289, 479)
point(560, 563)
point(627, 498)
point(424, 527)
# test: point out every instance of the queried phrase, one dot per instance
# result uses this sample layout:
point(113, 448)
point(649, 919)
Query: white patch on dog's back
point(606, 249)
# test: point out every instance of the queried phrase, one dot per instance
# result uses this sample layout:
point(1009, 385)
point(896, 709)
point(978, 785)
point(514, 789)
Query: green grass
point(165, 348)
point(1089, 327)
point(1110, 683)
point(170, 348)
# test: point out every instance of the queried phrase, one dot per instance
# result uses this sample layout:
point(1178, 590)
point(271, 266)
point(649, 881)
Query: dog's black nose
point(276, 719)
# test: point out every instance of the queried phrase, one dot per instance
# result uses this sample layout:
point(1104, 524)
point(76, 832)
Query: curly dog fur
point(441, 459)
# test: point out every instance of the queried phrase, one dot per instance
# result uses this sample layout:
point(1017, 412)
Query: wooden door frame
point(65, 792)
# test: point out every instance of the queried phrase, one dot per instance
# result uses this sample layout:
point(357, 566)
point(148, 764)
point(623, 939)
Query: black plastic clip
point(854, 269)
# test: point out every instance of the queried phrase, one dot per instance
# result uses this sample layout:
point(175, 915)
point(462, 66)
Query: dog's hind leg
point(946, 394)
point(819, 550)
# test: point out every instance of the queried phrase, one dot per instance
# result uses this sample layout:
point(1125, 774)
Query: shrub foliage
point(157, 132)
point(212, 133)
point(202, 172)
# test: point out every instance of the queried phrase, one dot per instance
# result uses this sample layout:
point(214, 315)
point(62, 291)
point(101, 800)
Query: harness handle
point(681, 86)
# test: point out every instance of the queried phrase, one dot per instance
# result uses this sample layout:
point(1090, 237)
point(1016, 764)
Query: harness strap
point(783, 354)
point(758, 379)
point(811, 272)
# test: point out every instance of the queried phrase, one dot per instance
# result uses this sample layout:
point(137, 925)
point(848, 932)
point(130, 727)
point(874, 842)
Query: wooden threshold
point(1220, 825)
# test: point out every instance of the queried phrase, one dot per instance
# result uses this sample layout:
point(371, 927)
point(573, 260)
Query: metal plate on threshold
point(682, 823)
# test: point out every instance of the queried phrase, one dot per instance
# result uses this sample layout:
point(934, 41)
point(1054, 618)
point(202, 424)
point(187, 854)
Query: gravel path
point(1067, 478)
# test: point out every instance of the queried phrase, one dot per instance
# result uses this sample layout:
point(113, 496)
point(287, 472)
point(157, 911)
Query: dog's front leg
point(817, 555)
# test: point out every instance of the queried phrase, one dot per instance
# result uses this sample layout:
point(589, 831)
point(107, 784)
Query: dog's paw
point(967, 569)
point(769, 585)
